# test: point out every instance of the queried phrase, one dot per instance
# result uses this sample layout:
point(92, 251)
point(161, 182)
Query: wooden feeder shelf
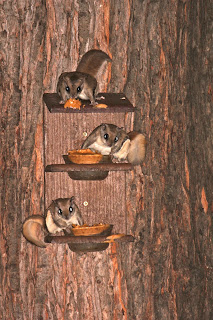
point(98, 171)
point(118, 104)
point(87, 243)
point(89, 167)
point(86, 239)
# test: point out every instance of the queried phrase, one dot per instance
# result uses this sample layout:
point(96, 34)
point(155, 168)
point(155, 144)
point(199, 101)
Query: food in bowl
point(84, 156)
point(86, 230)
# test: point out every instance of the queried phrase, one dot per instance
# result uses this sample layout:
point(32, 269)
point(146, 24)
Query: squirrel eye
point(116, 139)
point(106, 136)
point(79, 89)
point(60, 212)
point(67, 89)
point(70, 209)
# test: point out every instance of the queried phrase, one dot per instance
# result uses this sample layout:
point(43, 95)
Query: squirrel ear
point(72, 199)
point(103, 127)
point(54, 204)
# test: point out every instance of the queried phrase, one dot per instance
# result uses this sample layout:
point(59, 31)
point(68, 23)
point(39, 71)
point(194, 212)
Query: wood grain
point(88, 167)
point(161, 53)
point(105, 199)
point(116, 103)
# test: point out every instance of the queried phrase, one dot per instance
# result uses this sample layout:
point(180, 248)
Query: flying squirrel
point(105, 137)
point(111, 139)
point(60, 215)
point(82, 83)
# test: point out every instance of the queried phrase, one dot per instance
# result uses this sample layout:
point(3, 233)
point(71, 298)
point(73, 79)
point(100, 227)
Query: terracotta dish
point(86, 230)
point(84, 156)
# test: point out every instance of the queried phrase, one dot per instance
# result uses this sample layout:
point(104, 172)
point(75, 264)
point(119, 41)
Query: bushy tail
point(33, 230)
point(92, 61)
point(137, 150)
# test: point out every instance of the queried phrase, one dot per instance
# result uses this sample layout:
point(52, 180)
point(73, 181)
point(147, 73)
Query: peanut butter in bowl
point(84, 156)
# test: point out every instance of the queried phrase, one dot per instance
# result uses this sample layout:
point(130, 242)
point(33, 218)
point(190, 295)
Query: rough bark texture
point(161, 54)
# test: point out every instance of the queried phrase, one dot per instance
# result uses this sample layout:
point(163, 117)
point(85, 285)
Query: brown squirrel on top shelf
point(82, 82)
point(60, 215)
point(110, 139)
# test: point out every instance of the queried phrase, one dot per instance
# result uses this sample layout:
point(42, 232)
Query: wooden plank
point(99, 201)
point(87, 239)
point(116, 102)
point(89, 167)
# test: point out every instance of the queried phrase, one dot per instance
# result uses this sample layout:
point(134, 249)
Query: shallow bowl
point(84, 156)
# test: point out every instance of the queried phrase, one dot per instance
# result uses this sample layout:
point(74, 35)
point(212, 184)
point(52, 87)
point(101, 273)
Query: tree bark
point(161, 52)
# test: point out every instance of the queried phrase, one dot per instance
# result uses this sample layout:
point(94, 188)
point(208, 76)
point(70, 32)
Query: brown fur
point(96, 141)
point(82, 83)
point(34, 230)
point(36, 227)
point(137, 149)
point(92, 61)
point(74, 80)
point(133, 149)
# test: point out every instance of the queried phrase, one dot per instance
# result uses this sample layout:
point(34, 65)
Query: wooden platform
point(116, 102)
point(87, 239)
point(88, 167)
point(100, 201)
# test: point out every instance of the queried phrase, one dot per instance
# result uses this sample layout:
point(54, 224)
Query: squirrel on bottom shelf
point(60, 215)
point(82, 82)
point(110, 139)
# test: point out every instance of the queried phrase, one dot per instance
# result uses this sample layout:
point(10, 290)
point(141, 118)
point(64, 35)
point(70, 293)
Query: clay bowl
point(100, 229)
point(88, 247)
point(84, 156)
point(88, 175)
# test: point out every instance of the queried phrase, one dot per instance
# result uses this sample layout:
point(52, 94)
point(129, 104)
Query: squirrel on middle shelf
point(110, 139)
point(82, 83)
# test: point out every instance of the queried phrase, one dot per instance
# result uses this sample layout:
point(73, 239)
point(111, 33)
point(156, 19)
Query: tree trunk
point(161, 52)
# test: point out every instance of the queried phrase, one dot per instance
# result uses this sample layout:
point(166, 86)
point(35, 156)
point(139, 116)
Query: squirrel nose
point(67, 215)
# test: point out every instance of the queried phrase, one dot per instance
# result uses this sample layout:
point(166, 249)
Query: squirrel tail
point(92, 61)
point(33, 230)
point(137, 150)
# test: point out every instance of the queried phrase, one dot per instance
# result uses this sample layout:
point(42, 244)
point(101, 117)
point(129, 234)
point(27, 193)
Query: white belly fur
point(51, 226)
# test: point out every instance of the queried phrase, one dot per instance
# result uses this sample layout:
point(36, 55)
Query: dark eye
point(70, 209)
point(79, 89)
point(106, 136)
point(116, 139)
point(60, 212)
point(67, 89)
